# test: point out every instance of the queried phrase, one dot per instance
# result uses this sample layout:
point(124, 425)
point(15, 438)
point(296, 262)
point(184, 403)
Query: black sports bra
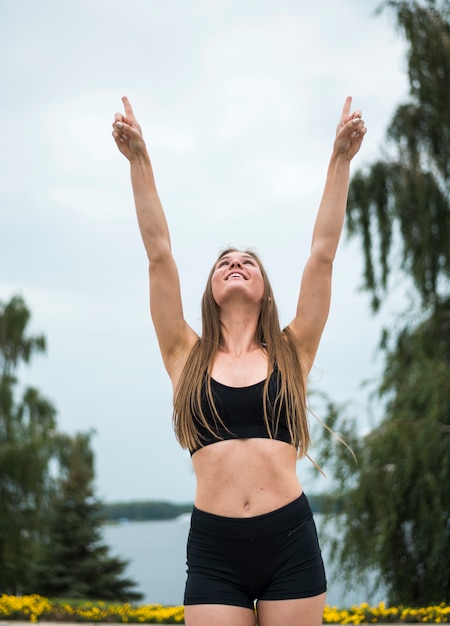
point(241, 410)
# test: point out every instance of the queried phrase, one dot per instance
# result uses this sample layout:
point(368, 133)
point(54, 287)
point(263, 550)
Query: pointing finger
point(347, 106)
point(128, 107)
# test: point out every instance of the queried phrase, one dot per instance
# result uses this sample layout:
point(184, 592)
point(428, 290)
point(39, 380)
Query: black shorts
point(235, 561)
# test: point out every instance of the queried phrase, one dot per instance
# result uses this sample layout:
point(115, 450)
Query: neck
point(238, 332)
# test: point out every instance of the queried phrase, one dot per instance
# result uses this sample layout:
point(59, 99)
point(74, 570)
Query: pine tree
point(74, 562)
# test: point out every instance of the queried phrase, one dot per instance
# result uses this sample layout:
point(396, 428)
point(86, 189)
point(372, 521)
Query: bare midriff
point(245, 477)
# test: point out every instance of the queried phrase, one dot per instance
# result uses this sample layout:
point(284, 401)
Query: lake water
point(156, 552)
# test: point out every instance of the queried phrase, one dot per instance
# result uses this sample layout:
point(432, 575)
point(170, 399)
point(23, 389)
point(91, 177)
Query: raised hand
point(127, 132)
point(350, 131)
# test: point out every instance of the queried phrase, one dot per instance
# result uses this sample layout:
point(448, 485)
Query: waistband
point(277, 521)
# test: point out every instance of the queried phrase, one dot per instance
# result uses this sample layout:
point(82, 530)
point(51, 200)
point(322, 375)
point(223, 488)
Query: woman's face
point(237, 276)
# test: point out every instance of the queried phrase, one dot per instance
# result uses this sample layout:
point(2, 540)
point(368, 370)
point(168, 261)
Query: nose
point(235, 263)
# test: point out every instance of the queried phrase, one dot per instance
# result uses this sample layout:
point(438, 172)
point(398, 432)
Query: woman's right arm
point(176, 338)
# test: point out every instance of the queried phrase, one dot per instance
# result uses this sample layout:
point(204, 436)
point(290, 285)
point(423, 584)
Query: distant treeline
point(144, 510)
point(162, 510)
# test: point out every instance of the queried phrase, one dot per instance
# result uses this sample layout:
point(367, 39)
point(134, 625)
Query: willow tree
point(26, 435)
point(401, 203)
point(396, 515)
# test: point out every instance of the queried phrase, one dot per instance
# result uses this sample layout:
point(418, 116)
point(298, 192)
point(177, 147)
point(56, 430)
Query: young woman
point(240, 405)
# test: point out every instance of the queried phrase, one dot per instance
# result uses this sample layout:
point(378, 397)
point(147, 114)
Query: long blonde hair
point(281, 352)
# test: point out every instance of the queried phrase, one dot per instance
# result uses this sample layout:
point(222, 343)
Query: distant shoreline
point(148, 510)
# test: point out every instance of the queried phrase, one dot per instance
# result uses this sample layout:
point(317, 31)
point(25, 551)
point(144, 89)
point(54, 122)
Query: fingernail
point(355, 120)
point(119, 125)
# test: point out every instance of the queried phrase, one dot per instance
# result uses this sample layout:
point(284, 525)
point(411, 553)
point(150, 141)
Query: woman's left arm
point(315, 290)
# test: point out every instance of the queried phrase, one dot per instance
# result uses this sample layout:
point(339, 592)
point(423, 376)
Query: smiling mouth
point(236, 275)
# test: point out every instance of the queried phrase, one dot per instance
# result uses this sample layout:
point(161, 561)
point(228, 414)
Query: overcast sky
point(239, 101)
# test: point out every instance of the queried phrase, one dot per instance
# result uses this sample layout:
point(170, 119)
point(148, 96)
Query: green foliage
point(50, 526)
point(396, 504)
point(396, 499)
point(74, 561)
point(14, 345)
point(405, 198)
point(26, 444)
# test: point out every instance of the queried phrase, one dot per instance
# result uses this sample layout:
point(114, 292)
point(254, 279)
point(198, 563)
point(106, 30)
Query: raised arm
point(175, 337)
point(315, 290)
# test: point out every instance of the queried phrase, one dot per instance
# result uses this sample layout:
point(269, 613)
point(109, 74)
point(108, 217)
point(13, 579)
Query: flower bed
point(36, 608)
point(380, 614)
